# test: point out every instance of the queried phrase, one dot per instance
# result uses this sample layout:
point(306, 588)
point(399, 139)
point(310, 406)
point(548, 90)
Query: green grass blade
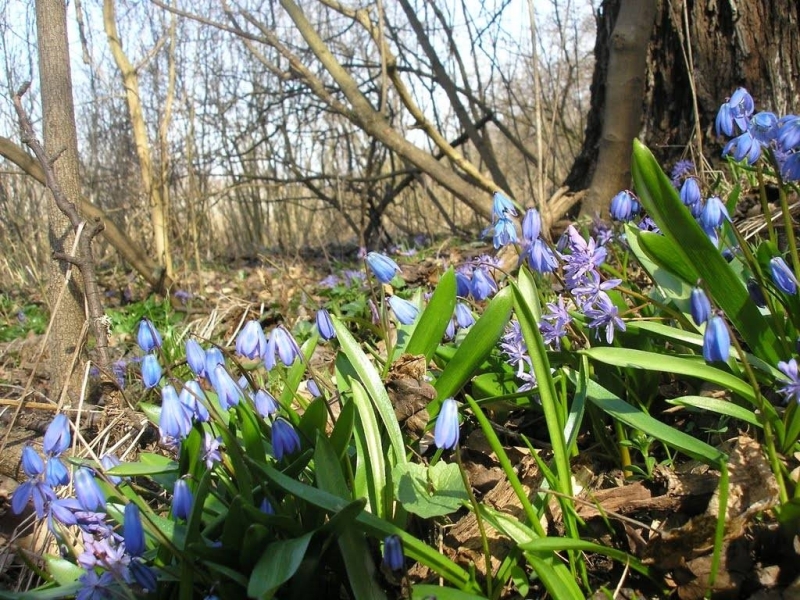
point(369, 433)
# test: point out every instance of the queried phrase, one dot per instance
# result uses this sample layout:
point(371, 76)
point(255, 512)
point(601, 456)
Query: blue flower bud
point(182, 500)
point(266, 507)
point(89, 495)
point(109, 461)
point(446, 431)
point(624, 206)
point(147, 336)
point(393, 553)
point(383, 267)
point(531, 225)
point(313, 388)
point(540, 257)
point(57, 437)
point(782, 276)
point(716, 340)
point(504, 233)
point(151, 371)
point(405, 311)
point(132, 531)
point(325, 325)
point(251, 341)
point(284, 438)
point(700, 306)
point(196, 357)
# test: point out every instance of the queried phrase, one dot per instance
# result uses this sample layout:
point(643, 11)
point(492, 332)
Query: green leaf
point(427, 591)
point(63, 571)
point(476, 347)
point(314, 418)
point(722, 407)
point(369, 434)
point(560, 544)
point(279, 561)
point(429, 491)
point(694, 251)
point(148, 464)
point(343, 430)
point(556, 578)
point(430, 328)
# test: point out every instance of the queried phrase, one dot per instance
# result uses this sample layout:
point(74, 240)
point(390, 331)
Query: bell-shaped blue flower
point(196, 357)
point(690, 192)
point(313, 388)
point(540, 257)
point(462, 285)
point(176, 419)
point(109, 461)
point(193, 397)
point(34, 489)
point(700, 306)
point(214, 357)
point(281, 345)
point(56, 473)
point(228, 391)
point(482, 285)
point(763, 126)
point(251, 341)
point(624, 206)
point(265, 403)
point(89, 495)
point(716, 340)
point(325, 325)
point(502, 206)
point(504, 233)
point(393, 553)
point(147, 336)
point(788, 134)
point(383, 267)
point(405, 311)
point(144, 575)
point(714, 214)
point(284, 438)
point(132, 531)
point(266, 507)
point(151, 371)
point(463, 316)
point(57, 437)
point(531, 225)
point(743, 146)
point(182, 500)
point(446, 431)
point(32, 463)
point(782, 276)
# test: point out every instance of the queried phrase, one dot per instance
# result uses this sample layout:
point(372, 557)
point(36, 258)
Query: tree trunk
point(61, 141)
point(752, 44)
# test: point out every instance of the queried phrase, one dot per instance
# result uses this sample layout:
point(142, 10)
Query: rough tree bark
point(754, 44)
point(61, 144)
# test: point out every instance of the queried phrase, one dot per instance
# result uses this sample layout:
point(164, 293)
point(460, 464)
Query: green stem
point(762, 194)
point(476, 509)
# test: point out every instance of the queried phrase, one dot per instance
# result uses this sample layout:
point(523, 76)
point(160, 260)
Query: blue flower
point(783, 276)
point(210, 452)
point(504, 233)
point(265, 403)
point(531, 225)
point(57, 437)
point(145, 576)
point(97, 587)
point(462, 284)
point(393, 553)
point(109, 461)
point(325, 325)
point(132, 531)
point(463, 316)
point(147, 336)
point(405, 311)
point(714, 214)
point(196, 357)
point(266, 507)
point(251, 341)
point(176, 419)
point(724, 122)
point(182, 500)
point(624, 206)
point(540, 257)
point(284, 438)
point(502, 206)
point(690, 192)
point(313, 388)
point(383, 267)
point(89, 495)
point(281, 345)
point(790, 168)
point(35, 489)
point(32, 463)
point(446, 431)
point(716, 340)
point(788, 135)
point(604, 314)
point(228, 391)
point(56, 472)
point(763, 126)
point(482, 285)
point(193, 397)
point(151, 371)
point(700, 306)
point(743, 146)
point(791, 388)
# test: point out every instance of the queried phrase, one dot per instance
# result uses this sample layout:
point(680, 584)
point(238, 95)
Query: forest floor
point(667, 520)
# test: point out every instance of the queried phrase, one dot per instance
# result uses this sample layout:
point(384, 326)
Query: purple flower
point(700, 306)
point(446, 431)
point(791, 388)
point(591, 287)
point(482, 285)
point(405, 311)
point(57, 437)
point(151, 371)
point(281, 345)
point(584, 257)
point(624, 206)
point(89, 495)
point(604, 313)
point(228, 392)
point(147, 336)
point(554, 323)
point(680, 171)
point(210, 451)
point(284, 438)
point(96, 587)
point(176, 419)
point(716, 340)
point(132, 531)
point(782, 276)
point(196, 357)
point(182, 500)
point(265, 403)
point(325, 325)
point(502, 206)
point(383, 267)
point(393, 553)
point(193, 397)
point(531, 225)
point(251, 341)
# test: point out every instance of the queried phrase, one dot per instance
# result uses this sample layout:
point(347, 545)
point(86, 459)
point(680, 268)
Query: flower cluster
point(753, 132)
